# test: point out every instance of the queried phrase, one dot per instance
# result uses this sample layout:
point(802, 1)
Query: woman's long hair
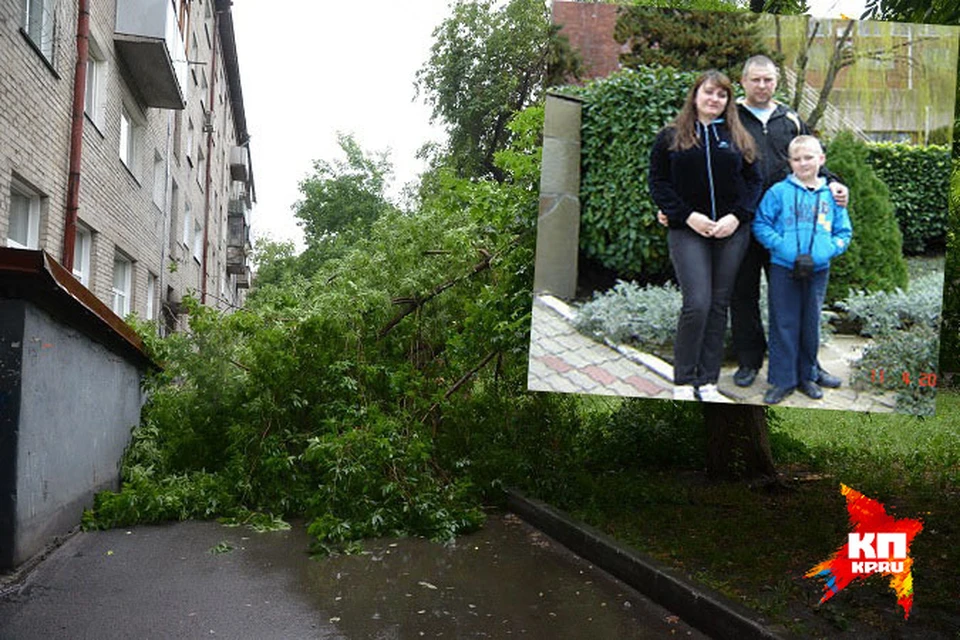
point(685, 124)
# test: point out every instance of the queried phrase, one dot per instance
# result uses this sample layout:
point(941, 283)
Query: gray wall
point(78, 402)
point(558, 225)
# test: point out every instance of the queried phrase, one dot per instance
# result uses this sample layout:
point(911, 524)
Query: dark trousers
point(794, 326)
point(706, 269)
point(749, 343)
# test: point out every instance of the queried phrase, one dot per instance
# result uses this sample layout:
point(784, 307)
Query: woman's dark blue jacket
point(713, 179)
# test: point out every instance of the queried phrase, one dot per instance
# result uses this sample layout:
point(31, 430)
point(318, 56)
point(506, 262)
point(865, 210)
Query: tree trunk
point(738, 445)
point(802, 58)
point(841, 58)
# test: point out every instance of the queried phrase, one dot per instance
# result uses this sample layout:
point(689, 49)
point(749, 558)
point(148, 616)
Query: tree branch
point(415, 302)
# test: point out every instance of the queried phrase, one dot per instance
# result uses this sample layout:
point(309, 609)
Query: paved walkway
point(201, 580)
point(561, 359)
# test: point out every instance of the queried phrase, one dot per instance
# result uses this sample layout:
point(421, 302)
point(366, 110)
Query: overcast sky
point(315, 68)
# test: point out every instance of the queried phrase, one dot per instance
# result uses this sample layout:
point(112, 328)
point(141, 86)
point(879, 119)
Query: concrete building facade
point(165, 183)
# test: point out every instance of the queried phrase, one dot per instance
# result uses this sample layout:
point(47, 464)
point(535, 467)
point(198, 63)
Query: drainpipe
point(209, 168)
point(76, 133)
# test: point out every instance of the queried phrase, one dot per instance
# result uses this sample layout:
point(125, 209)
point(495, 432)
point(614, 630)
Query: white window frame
point(122, 285)
point(151, 294)
point(39, 25)
point(190, 140)
point(187, 224)
point(129, 139)
point(82, 246)
point(19, 190)
point(198, 241)
point(95, 88)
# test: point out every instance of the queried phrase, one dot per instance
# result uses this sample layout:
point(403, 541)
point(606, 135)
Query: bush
point(903, 356)
point(874, 261)
point(905, 362)
point(651, 433)
point(629, 313)
point(881, 313)
point(621, 116)
point(950, 329)
point(919, 181)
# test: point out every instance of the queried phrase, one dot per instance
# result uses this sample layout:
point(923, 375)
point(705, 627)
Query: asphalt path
point(205, 580)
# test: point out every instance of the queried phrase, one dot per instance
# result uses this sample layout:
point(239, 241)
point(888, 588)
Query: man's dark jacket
point(773, 139)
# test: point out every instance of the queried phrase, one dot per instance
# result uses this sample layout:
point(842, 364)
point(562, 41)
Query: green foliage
point(645, 316)
point(276, 263)
point(881, 312)
point(487, 63)
point(694, 40)
point(322, 399)
point(919, 182)
point(908, 360)
point(343, 195)
point(621, 116)
point(904, 327)
point(950, 329)
point(650, 433)
point(379, 481)
point(874, 260)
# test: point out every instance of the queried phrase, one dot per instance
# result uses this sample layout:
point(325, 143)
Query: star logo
point(879, 543)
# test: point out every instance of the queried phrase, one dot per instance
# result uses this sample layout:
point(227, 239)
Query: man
point(773, 125)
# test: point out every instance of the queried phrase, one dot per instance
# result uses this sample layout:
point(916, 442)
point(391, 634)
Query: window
point(151, 294)
point(174, 210)
point(177, 135)
point(24, 231)
point(129, 143)
point(81, 255)
point(122, 278)
point(183, 13)
point(187, 224)
point(198, 241)
point(189, 140)
point(38, 24)
point(93, 94)
point(868, 28)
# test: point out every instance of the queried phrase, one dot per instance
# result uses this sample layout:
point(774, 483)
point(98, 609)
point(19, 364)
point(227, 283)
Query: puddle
point(507, 580)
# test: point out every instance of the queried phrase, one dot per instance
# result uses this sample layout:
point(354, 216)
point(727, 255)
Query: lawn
point(755, 545)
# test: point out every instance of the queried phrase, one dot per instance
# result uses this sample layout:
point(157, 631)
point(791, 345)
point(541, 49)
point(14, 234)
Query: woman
point(703, 178)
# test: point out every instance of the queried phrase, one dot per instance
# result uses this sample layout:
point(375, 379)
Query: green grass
point(755, 546)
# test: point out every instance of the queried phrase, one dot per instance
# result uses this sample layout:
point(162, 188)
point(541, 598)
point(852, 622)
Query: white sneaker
point(684, 392)
point(710, 393)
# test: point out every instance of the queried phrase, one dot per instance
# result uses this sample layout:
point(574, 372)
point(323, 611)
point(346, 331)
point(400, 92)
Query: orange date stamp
point(924, 379)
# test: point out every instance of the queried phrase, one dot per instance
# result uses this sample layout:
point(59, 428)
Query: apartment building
point(138, 178)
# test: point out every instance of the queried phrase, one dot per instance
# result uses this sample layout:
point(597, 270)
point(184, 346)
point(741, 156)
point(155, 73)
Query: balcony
point(238, 231)
point(240, 164)
point(148, 41)
point(236, 260)
point(243, 279)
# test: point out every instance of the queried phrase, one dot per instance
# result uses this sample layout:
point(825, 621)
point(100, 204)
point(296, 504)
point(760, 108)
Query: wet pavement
point(561, 359)
point(204, 580)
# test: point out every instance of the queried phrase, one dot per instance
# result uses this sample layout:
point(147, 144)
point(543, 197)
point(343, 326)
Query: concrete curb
point(699, 606)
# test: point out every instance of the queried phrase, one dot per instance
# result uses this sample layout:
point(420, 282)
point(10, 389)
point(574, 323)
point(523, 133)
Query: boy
point(799, 217)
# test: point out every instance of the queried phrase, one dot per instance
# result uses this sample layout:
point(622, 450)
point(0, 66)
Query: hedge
point(621, 116)
point(919, 181)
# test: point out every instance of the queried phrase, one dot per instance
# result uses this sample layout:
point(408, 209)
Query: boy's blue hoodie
point(779, 228)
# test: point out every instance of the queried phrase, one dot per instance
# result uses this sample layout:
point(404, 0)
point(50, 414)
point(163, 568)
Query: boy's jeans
point(794, 326)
